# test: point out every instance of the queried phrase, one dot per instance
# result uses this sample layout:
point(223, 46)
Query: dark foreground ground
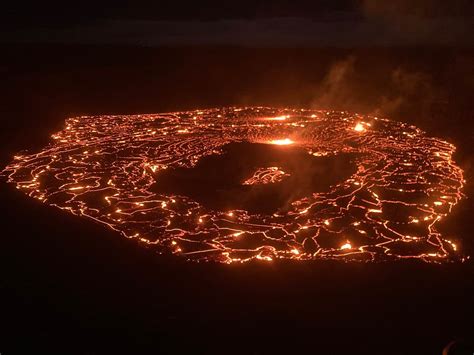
point(69, 286)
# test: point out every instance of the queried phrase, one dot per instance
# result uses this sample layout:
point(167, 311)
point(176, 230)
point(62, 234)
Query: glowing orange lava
point(278, 118)
point(104, 167)
point(286, 141)
point(269, 175)
point(346, 246)
point(359, 127)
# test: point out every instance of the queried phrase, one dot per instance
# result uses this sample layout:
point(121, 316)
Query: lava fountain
point(113, 170)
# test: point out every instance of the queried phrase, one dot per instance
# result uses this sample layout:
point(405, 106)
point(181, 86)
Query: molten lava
point(285, 141)
point(103, 168)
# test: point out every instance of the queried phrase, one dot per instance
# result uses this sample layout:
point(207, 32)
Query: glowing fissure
point(269, 175)
point(102, 167)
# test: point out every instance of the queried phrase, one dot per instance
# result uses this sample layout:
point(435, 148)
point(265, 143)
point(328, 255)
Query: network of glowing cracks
point(103, 167)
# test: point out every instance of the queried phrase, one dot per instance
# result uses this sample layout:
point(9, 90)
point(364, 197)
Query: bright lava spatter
point(103, 167)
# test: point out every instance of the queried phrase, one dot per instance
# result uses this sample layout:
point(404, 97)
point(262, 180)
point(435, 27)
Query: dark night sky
point(260, 23)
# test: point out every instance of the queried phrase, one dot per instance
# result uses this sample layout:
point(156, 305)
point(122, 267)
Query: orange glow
point(285, 141)
point(269, 175)
point(278, 118)
point(76, 188)
point(347, 245)
point(105, 168)
point(264, 258)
